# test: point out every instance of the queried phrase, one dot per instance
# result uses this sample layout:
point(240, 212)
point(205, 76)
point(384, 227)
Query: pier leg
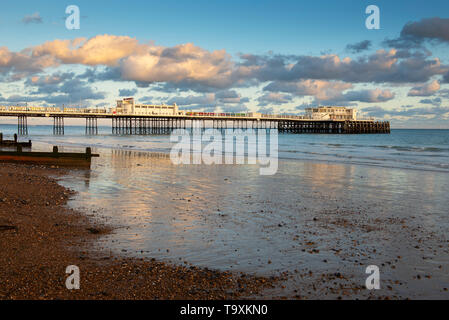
point(22, 125)
point(91, 126)
point(58, 125)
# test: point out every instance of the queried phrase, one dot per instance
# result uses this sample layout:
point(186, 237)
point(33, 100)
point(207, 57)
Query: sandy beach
point(40, 237)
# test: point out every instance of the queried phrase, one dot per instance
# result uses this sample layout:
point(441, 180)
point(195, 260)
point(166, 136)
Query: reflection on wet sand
point(323, 218)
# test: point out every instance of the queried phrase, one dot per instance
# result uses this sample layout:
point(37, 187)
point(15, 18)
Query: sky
point(275, 57)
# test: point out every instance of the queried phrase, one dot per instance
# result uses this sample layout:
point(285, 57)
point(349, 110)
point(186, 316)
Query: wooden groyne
point(55, 158)
point(13, 143)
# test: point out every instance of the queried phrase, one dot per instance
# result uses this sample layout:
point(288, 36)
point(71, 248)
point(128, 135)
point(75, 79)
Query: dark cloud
point(405, 111)
point(18, 99)
point(329, 92)
point(147, 99)
point(127, 92)
point(305, 105)
point(349, 98)
point(220, 98)
point(394, 66)
point(193, 100)
point(48, 84)
point(273, 98)
point(359, 46)
point(446, 78)
point(266, 110)
point(235, 108)
point(200, 107)
point(404, 43)
point(444, 93)
point(101, 74)
point(380, 67)
point(32, 18)
point(59, 88)
point(435, 101)
point(415, 33)
point(430, 28)
point(230, 97)
point(178, 87)
point(227, 94)
point(369, 96)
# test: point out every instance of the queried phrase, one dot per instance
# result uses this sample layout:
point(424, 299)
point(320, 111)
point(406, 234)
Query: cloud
point(394, 66)
point(235, 108)
point(99, 50)
point(145, 63)
point(48, 84)
point(321, 90)
point(221, 98)
point(415, 33)
point(429, 28)
point(369, 96)
point(349, 98)
point(183, 63)
point(215, 75)
point(446, 78)
point(274, 98)
point(405, 111)
point(58, 88)
point(230, 97)
point(383, 66)
point(266, 110)
point(330, 92)
point(127, 92)
point(444, 93)
point(425, 90)
point(32, 18)
point(187, 67)
point(435, 101)
point(21, 64)
point(359, 46)
point(193, 100)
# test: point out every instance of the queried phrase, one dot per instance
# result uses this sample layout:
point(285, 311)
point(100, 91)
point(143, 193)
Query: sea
point(403, 148)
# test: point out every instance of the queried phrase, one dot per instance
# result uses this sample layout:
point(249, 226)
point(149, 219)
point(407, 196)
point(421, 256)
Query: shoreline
point(42, 237)
point(384, 163)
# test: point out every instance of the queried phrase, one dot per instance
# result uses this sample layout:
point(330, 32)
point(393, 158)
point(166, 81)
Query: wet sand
point(309, 232)
point(317, 224)
point(40, 237)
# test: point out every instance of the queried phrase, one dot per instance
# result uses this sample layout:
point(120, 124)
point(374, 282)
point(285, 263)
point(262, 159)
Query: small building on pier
point(129, 106)
point(331, 113)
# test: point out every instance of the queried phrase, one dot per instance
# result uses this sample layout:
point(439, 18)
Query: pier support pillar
point(22, 125)
point(91, 126)
point(58, 125)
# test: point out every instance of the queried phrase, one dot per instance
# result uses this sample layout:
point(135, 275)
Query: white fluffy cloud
point(99, 50)
point(180, 63)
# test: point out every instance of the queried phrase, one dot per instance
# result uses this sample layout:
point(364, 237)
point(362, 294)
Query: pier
point(129, 124)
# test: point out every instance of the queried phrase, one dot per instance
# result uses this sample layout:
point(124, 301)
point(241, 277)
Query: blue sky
point(236, 25)
point(279, 40)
